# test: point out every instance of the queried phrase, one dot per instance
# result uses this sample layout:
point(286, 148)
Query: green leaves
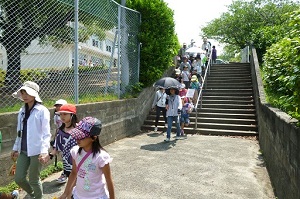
point(158, 38)
point(263, 22)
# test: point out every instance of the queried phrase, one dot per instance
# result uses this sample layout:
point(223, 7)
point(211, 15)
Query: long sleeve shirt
point(174, 103)
point(159, 99)
point(38, 130)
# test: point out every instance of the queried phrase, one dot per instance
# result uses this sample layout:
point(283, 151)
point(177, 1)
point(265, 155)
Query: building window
point(109, 45)
point(95, 43)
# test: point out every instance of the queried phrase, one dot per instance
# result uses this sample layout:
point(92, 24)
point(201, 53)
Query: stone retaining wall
point(279, 140)
point(120, 118)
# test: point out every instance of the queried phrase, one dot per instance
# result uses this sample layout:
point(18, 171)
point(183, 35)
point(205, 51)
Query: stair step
point(232, 77)
point(233, 69)
point(200, 120)
point(228, 101)
point(230, 83)
point(227, 126)
point(249, 116)
point(204, 131)
point(227, 94)
point(226, 115)
point(228, 80)
point(229, 86)
point(204, 98)
point(228, 106)
point(231, 111)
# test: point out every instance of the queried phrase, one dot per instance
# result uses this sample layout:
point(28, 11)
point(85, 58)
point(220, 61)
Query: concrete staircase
point(228, 105)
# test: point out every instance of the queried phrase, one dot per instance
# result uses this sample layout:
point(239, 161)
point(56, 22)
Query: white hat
point(177, 71)
point(60, 102)
point(182, 85)
point(31, 89)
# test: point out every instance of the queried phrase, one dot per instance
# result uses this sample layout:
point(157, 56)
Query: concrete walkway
point(199, 167)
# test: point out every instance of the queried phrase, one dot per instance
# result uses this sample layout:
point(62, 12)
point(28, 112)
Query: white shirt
point(38, 130)
point(185, 75)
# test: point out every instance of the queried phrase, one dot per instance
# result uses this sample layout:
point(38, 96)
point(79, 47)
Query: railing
point(204, 85)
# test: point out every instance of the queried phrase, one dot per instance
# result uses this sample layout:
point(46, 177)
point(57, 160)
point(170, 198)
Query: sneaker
point(62, 179)
point(167, 140)
point(182, 133)
point(177, 138)
point(15, 194)
point(166, 125)
point(155, 128)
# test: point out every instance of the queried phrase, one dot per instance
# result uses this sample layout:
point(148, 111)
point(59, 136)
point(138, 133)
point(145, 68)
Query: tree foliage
point(158, 38)
point(282, 69)
point(22, 21)
point(261, 22)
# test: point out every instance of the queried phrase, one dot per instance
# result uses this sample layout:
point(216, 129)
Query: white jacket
point(38, 130)
point(174, 103)
point(159, 99)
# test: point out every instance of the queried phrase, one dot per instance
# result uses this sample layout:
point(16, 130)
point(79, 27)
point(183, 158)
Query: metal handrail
point(204, 84)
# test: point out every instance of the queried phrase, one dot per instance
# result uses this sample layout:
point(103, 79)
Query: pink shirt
point(91, 183)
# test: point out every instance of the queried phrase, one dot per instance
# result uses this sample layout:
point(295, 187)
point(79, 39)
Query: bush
point(282, 75)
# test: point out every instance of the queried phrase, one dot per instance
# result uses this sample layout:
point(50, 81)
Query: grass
point(44, 174)
point(84, 98)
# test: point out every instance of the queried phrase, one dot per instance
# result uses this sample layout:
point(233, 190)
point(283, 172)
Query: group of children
point(175, 106)
point(85, 162)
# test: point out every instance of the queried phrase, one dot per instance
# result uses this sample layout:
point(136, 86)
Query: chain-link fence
point(38, 43)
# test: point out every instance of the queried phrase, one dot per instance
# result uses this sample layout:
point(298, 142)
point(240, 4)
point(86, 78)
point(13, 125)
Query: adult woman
point(33, 139)
point(159, 104)
point(174, 106)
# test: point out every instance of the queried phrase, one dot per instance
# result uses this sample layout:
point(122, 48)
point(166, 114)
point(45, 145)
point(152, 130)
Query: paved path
point(199, 167)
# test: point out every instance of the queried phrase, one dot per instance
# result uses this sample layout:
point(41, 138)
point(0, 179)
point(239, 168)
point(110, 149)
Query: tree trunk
point(13, 72)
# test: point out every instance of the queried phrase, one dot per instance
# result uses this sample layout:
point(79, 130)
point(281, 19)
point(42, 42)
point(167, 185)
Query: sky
point(190, 16)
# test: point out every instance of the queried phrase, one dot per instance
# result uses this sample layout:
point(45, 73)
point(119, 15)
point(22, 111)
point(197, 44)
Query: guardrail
point(204, 85)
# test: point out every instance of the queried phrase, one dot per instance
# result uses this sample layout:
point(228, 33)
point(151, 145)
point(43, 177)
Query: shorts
point(184, 119)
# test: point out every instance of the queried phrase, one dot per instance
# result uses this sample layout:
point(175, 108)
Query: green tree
point(22, 21)
point(157, 35)
point(261, 22)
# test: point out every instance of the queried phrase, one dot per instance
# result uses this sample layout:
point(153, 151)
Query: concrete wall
point(279, 140)
point(120, 118)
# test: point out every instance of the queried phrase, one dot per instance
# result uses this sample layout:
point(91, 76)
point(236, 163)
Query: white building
point(91, 53)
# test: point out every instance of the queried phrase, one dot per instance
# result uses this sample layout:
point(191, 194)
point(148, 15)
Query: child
point(173, 106)
point(186, 75)
point(33, 139)
point(214, 54)
point(182, 90)
point(57, 121)
point(178, 75)
point(185, 63)
point(195, 85)
point(91, 171)
point(57, 105)
point(187, 108)
point(12, 195)
point(63, 140)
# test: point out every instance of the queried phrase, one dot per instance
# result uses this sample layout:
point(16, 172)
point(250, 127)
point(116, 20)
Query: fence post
point(76, 74)
point(119, 49)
